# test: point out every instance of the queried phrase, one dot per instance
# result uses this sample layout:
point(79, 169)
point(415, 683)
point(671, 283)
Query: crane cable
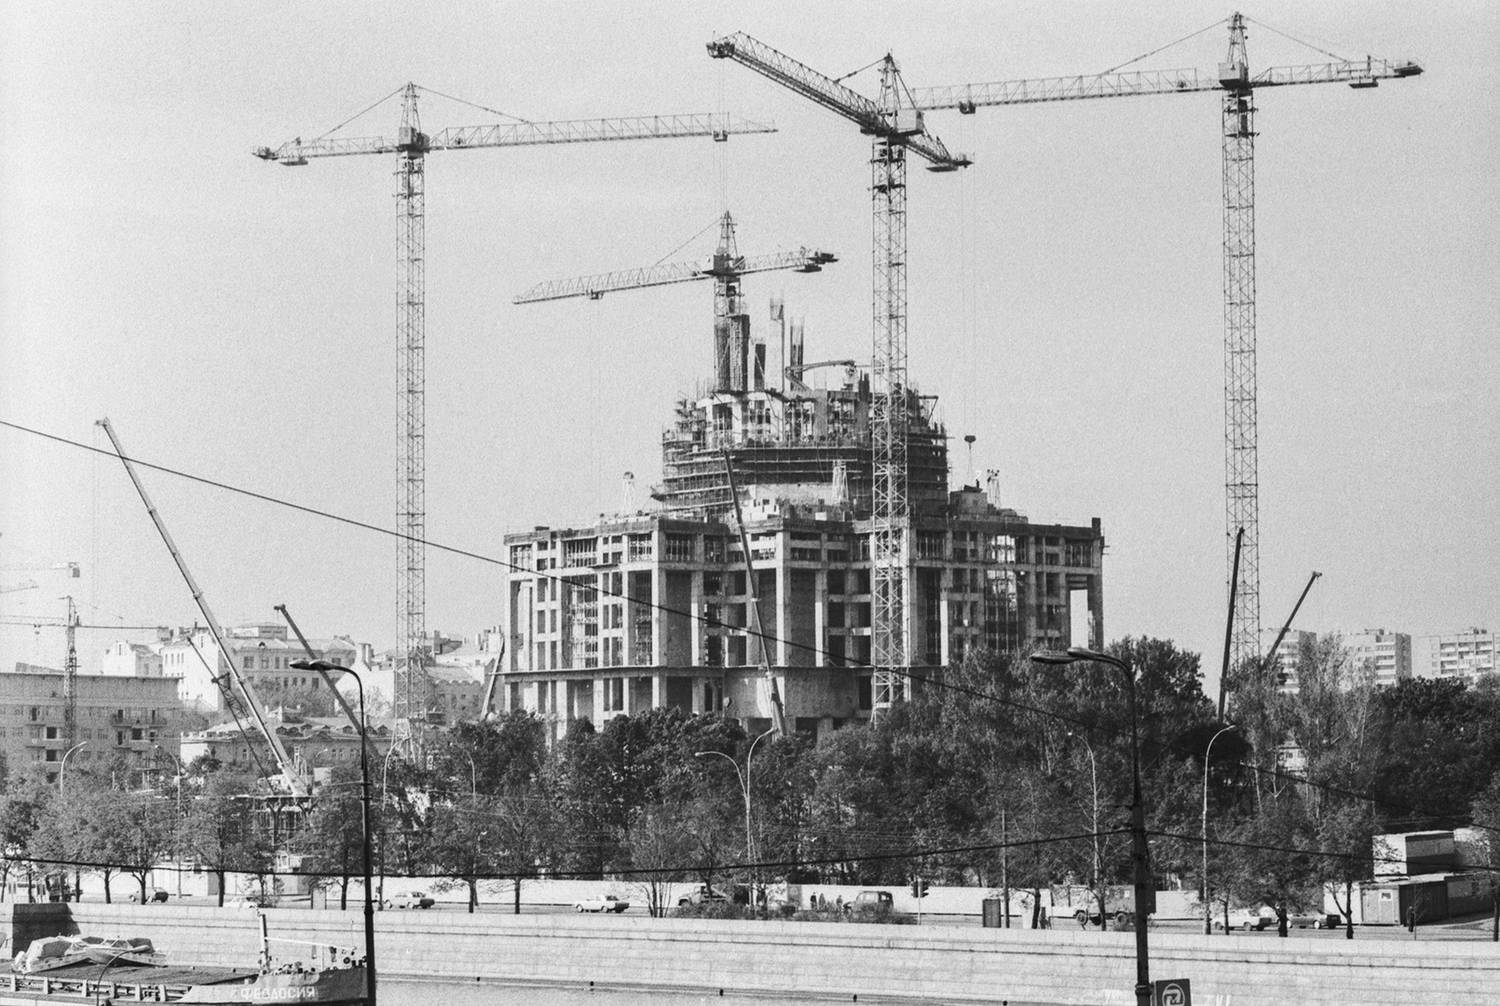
point(1153, 52)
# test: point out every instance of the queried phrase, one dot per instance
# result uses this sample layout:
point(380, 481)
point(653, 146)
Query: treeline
point(998, 770)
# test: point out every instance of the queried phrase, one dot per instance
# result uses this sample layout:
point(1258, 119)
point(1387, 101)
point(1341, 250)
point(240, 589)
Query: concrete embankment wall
point(948, 964)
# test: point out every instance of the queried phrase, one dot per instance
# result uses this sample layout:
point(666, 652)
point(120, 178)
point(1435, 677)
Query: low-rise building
point(312, 742)
point(261, 653)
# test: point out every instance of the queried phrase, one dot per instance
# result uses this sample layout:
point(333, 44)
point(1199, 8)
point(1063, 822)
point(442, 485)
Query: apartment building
point(1466, 654)
point(115, 717)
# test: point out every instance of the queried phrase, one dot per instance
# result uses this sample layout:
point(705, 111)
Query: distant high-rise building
point(1466, 654)
point(1387, 655)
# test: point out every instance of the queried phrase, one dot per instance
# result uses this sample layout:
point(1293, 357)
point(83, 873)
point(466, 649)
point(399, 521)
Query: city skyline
point(236, 320)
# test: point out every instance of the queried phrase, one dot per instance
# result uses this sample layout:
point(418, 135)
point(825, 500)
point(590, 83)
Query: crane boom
point(1236, 84)
point(411, 145)
point(903, 123)
point(517, 134)
point(1034, 90)
point(596, 286)
point(895, 126)
point(293, 778)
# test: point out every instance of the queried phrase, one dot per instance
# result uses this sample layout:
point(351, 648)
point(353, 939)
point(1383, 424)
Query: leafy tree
point(461, 842)
point(659, 848)
point(24, 805)
point(219, 829)
point(1486, 817)
point(332, 840)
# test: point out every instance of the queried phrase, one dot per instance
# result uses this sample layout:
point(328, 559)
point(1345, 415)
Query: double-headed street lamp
point(1208, 924)
point(326, 669)
point(744, 778)
point(1139, 852)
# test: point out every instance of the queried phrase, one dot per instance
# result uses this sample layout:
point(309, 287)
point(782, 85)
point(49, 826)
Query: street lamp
point(62, 767)
point(1094, 781)
point(1208, 926)
point(1139, 851)
point(326, 669)
point(744, 778)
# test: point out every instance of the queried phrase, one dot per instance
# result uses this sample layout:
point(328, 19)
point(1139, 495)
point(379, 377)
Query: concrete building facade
point(116, 716)
point(261, 653)
point(1466, 654)
point(650, 611)
point(1386, 655)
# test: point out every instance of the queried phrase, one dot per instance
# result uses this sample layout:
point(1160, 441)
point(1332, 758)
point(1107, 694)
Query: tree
point(460, 842)
point(25, 808)
point(220, 832)
point(1486, 818)
point(659, 849)
point(332, 840)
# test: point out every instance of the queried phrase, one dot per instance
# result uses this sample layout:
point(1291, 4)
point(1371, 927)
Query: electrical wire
point(906, 673)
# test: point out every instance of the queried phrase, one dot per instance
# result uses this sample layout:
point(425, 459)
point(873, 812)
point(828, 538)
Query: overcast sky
point(236, 320)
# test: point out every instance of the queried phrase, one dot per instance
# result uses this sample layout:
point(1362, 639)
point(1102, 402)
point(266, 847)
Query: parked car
point(876, 904)
point(608, 903)
point(1312, 920)
point(157, 895)
point(409, 899)
point(702, 895)
point(1249, 919)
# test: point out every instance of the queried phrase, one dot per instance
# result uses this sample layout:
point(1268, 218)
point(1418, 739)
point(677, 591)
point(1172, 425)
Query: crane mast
point(1237, 86)
point(1241, 448)
point(295, 783)
point(412, 700)
point(895, 127)
point(412, 691)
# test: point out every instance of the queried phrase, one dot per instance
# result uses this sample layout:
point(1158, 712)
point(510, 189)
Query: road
point(1477, 928)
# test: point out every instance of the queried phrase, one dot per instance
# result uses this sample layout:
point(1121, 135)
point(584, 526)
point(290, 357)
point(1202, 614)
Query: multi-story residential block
point(1467, 654)
point(261, 654)
point(115, 716)
point(1386, 656)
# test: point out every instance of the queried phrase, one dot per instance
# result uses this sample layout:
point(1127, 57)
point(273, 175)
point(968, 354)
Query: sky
point(236, 319)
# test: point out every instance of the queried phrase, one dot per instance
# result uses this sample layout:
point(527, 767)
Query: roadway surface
point(1475, 927)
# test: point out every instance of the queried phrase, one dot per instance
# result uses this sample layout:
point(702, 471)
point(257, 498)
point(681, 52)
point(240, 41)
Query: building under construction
point(650, 610)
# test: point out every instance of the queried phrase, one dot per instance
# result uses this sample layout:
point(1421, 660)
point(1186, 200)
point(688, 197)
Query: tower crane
point(1238, 86)
point(725, 268)
point(411, 146)
point(895, 126)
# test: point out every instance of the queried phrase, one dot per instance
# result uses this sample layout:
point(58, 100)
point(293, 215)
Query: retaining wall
point(947, 964)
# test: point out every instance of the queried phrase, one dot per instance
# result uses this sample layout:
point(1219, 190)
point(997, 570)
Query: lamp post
point(1208, 924)
point(744, 778)
point(1139, 851)
point(62, 767)
point(326, 669)
point(1094, 781)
